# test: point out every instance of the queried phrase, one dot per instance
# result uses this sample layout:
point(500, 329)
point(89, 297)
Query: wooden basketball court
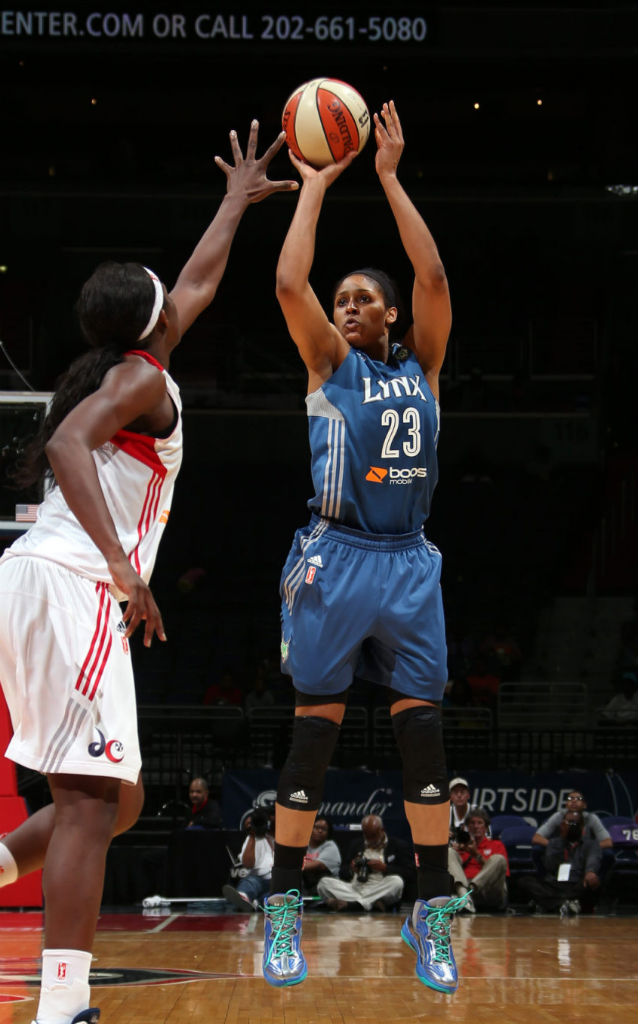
point(196, 968)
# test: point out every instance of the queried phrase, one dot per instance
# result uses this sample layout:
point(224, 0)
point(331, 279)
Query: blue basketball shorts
point(363, 604)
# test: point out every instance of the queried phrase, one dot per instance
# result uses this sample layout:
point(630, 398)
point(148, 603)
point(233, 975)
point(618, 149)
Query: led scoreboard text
point(279, 28)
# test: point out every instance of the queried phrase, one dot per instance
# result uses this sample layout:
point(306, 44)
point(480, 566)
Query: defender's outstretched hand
point(249, 173)
point(389, 139)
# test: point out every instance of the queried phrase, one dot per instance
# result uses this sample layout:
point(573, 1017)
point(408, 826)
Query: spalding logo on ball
point(324, 120)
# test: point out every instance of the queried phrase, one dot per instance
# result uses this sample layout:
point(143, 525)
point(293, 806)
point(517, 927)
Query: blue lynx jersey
point(361, 587)
point(373, 431)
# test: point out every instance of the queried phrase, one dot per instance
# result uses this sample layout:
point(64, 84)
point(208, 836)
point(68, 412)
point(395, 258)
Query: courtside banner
point(350, 795)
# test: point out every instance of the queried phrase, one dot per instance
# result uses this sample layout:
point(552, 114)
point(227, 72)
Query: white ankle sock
point(65, 990)
point(8, 866)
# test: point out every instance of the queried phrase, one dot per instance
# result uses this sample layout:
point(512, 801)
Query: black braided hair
point(113, 308)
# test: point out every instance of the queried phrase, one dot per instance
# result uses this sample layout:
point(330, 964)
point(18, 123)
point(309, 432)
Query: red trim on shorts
point(100, 671)
point(99, 650)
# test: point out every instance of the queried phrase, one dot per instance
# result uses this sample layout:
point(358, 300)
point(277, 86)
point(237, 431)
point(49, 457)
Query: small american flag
point(26, 513)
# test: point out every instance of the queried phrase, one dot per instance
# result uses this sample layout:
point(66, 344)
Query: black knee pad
point(419, 735)
point(301, 780)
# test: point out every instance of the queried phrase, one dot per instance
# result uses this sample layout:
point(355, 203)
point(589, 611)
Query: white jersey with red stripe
point(137, 476)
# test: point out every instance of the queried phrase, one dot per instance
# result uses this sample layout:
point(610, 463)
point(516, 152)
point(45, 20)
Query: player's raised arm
point(247, 183)
point(321, 346)
point(431, 309)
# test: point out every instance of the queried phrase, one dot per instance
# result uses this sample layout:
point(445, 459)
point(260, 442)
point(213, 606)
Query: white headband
point(157, 305)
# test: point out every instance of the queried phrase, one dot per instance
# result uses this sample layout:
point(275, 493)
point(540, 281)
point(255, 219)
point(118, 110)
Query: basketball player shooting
point(361, 587)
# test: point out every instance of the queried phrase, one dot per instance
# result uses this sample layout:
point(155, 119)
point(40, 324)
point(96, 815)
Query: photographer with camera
point(593, 826)
point(571, 863)
point(460, 805)
point(479, 863)
point(374, 874)
point(256, 857)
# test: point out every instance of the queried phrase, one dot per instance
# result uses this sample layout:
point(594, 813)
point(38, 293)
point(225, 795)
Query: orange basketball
point(324, 120)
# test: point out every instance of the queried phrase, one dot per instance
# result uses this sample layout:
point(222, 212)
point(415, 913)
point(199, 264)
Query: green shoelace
point(284, 918)
point(439, 922)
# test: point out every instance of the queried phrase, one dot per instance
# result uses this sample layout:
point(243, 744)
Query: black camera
point(461, 836)
point(574, 831)
point(260, 822)
point(361, 868)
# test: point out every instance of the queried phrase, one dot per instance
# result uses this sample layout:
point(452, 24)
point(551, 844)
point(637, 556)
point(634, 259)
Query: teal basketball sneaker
point(283, 963)
point(427, 932)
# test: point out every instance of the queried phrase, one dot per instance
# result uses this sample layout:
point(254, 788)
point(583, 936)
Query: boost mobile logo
point(376, 474)
point(406, 476)
point(113, 749)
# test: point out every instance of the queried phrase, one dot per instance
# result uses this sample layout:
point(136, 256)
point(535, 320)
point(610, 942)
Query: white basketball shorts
point(66, 672)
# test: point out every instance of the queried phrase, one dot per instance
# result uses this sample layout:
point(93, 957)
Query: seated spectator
point(376, 871)
point(256, 856)
point(478, 862)
point(571, 866)
point(594, 828)
point(205, 812)
point(322, 856)
point(225, 691)
point(460, 805)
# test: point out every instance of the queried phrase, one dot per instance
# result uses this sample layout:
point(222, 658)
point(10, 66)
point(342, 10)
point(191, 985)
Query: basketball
point(324, 120)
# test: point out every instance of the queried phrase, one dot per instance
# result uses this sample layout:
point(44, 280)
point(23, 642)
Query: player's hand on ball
point(248, 175)
point(389, 139)
point(327, 174)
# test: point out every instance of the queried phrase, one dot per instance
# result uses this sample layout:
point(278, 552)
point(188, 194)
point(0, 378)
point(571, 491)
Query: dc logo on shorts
point(113, 749)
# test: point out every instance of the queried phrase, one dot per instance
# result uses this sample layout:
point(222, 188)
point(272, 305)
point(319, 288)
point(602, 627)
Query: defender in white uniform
point(112, 441)
point(64, 623)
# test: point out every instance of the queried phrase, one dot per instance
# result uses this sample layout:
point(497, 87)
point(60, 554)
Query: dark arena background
point(520, 129)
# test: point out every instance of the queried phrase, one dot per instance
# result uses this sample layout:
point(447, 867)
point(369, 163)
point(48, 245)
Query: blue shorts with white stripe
point(364, 604)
